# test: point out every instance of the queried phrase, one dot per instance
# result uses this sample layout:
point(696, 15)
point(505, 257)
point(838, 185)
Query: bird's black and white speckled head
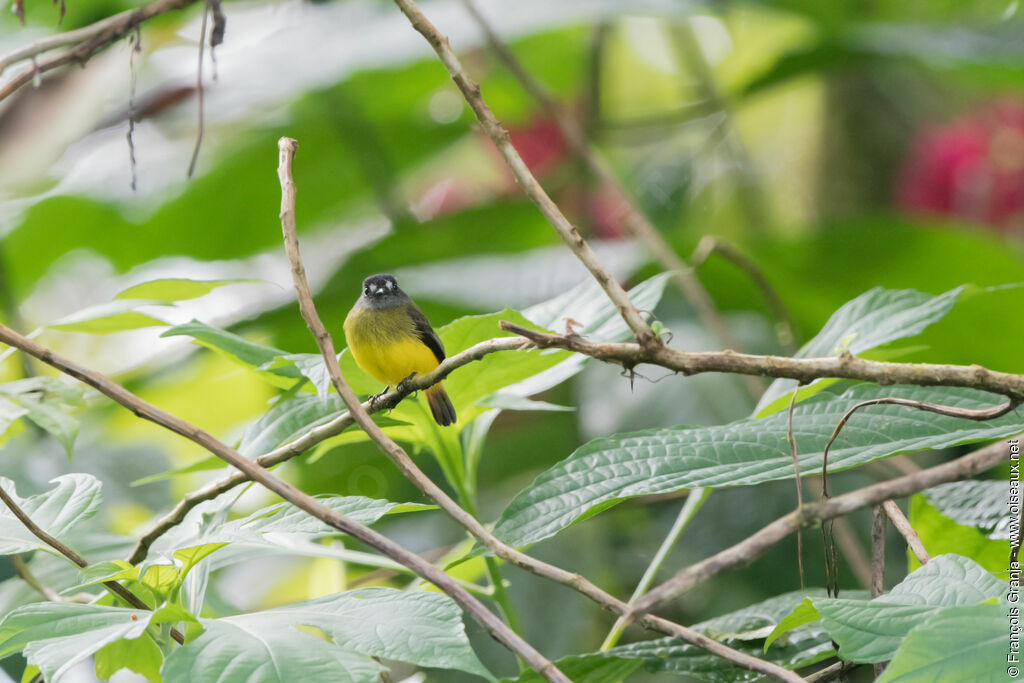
point(382, 291)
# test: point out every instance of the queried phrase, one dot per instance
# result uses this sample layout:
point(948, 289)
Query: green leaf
point(310, 365)
point(287, 519)
point(978, 504)
point(190, 557)
point(959, 644)
point(109, 570)
point(57, 635)
point(9, 413)
point(874, 318)
point(74, 499)
point(742, 630)
point(872, 630)
point(587, 669)
point(44, 401)
point(803, 614)
point(238, 349)
point(287, 420)
point(608, 470)
point(140, 655)
point(504, 401)
point(290, 526)
point(175, 289)
point(420, 628)
point(54, 421)
point(114, 316)
point(939, 534)
point(264, 650)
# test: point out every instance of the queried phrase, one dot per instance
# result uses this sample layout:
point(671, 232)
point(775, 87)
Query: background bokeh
point(840, 146)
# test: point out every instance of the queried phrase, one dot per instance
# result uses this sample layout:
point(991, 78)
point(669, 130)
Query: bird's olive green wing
point(425, 332)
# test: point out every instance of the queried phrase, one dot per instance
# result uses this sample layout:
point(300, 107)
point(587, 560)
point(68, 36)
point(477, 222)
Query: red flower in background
point(972, 169)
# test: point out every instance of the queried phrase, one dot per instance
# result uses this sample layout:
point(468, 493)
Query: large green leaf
point(870, 631)
point(113, 316)
point(45, 401)
point(290, 526)
point(74, 499)
point(141, 655)
point(959, 644)
point(939, 534)
point(175, 289)
point(874, 318)
point(238, 349)
point(267, 650)
point(420, 628)
point(57, 635)
point(980, 504)
point(608, 470)
point(744, 630)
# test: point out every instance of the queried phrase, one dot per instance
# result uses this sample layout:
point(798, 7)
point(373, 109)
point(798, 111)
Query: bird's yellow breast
point(383, 343)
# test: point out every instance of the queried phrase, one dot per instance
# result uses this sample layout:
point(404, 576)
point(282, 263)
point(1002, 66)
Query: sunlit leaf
point(74, 499)
point(113, 316)
point(175, 289)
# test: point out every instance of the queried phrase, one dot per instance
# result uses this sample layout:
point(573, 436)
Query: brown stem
point(315, 436)
point(63, 549)
point(805, 370)
point(635, 222)
point(902, 524)
point(86, 42)
point(499, 136)
point(710, 244)
point(408, 468)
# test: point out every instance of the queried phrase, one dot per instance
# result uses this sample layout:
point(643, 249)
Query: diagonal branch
point(408, 468)
point(804, 370)
point(755, 545)
point(53, 542)
point(498, 629)
point(499, 136)
point(300, 499)
point(902, 524)
point(315, 436)
point(635, 222)
point(86, 42)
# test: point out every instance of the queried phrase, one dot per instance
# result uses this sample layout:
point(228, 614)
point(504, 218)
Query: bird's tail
point(440, 405)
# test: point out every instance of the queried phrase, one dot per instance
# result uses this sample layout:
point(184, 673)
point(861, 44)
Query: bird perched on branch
point(391, 339)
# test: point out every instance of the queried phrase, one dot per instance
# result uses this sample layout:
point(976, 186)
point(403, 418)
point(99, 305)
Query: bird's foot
point(404, 384)
point(373, 399)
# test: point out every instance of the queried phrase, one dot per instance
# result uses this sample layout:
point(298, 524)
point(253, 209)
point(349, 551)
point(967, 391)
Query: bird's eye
point(366, 291)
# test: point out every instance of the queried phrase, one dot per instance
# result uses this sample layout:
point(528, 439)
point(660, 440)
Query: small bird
point(391, 339)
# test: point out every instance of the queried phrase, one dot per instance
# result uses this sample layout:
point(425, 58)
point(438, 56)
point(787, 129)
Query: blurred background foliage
point(839, 145)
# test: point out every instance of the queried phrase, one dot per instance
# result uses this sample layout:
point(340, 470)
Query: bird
point(391, 339)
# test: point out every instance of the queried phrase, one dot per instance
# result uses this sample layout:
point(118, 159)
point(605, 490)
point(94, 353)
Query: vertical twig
point(499, 136)
point(199, 92)
point(635, 222)
point(693, 503)
point(877, 551)
point(799, 483)
point(287, 148)
point(134, 47)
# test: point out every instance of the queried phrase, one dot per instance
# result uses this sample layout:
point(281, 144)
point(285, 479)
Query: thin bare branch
point(902, 524)
point(86, 42)
point(499, 136)
point(26, 575)
point(200, 94)
point(949, 411)
point(877, 551)
point(497, 628)
point(755, 545)
point(53, 542)
point(315, 436)
point(408, 468)
point(799, 485)
point(805, 370)
point(710, 244)
point(635, 222)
